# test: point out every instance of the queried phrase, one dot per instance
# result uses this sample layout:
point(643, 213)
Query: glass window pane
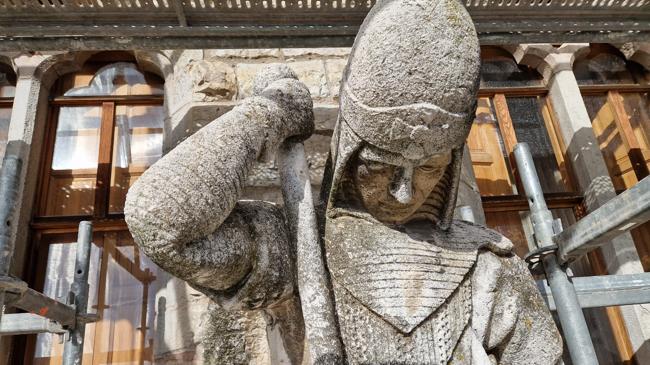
point(76, 143)
point(517, 226)
point(121, 78)
point(5, 118)
point(137, 145)
point(530, 127)
point(7, 91)
point(121, 317)
point(602, 68)
point(499, 69)
point(74, 162)
point(508, 74)
point(7, 82)
point(509, 224)
point(123, 288)
point(59, 275)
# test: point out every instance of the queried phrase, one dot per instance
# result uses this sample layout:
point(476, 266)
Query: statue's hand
point(280, 84)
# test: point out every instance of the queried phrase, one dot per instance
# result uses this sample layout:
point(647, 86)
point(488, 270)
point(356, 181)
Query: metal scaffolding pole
point(572, 320)
point(11, 168)
point(47, 315)
point(604, 290)
point(74, 346)
point(628, 210)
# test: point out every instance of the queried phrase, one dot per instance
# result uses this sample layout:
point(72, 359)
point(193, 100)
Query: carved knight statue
point(408, 284)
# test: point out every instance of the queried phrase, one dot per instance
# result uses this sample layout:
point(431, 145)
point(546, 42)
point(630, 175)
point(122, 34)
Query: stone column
point(29, 102)
point(590, 170)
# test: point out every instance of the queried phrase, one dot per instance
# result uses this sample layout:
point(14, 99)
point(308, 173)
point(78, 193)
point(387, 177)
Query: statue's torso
point(401, 297)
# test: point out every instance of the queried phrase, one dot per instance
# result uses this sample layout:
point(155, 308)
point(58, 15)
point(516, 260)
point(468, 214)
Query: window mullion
point(507, 133)
point(104, 160)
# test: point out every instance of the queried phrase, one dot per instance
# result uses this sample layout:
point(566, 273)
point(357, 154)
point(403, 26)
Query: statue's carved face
point(392, 187)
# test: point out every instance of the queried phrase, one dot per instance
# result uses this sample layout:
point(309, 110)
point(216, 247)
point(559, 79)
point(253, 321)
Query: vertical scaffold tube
point(74, 346)
point(574, 326)
point(11, 167)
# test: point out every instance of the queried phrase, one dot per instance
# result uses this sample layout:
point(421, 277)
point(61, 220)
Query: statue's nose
point(402, 187)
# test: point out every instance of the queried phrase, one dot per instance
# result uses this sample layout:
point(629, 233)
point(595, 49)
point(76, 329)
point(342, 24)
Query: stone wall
point(208, 83)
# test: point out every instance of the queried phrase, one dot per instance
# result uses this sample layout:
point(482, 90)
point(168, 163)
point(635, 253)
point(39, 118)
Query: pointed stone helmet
point(411, 83)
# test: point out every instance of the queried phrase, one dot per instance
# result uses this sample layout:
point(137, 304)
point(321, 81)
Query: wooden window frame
point(614, 98)
point(44, 227)
point(6, 102)
point(104, 238)
point(108, 105)
point(514, 202)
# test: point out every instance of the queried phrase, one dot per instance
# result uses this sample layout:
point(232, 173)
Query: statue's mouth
point(396, 208)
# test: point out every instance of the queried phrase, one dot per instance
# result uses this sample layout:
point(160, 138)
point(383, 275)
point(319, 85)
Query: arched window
point(512, 108)
point(606, 65)
point(615, 92)
point(105, 129)
point(499, 69)
point(109, 121)
point(7, 91)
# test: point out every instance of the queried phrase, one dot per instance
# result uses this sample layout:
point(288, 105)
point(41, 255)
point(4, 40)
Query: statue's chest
point(369, 339)
point(398, 297)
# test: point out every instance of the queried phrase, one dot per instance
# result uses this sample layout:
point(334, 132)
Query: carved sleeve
point(184, 211)
point(511, 318)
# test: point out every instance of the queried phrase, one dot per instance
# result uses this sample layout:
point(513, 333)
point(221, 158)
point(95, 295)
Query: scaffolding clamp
point(535, 257)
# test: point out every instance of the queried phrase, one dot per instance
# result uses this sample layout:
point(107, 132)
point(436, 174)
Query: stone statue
point(408, 284)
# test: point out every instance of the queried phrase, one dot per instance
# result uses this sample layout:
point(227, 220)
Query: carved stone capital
point(548, 59)
point(155, 62)
point(27, 65)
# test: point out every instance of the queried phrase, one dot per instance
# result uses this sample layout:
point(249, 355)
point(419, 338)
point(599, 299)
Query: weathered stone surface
point(335, 68)
point(251, 54)
point(312, 73)
point(325, 116)
point(164, 229)
point(409, 282)
point(213, 81)
point(266, 174)
point(178, 86)
point(246, 73)
point(190, 118)
point(306, 52)
point(235, 338)
point(180, 313)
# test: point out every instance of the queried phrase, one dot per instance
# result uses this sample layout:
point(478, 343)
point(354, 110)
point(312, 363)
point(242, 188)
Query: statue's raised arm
point(184, 211)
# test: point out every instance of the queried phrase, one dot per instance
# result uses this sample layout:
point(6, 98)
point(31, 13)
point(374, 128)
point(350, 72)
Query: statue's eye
point(429, 169)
